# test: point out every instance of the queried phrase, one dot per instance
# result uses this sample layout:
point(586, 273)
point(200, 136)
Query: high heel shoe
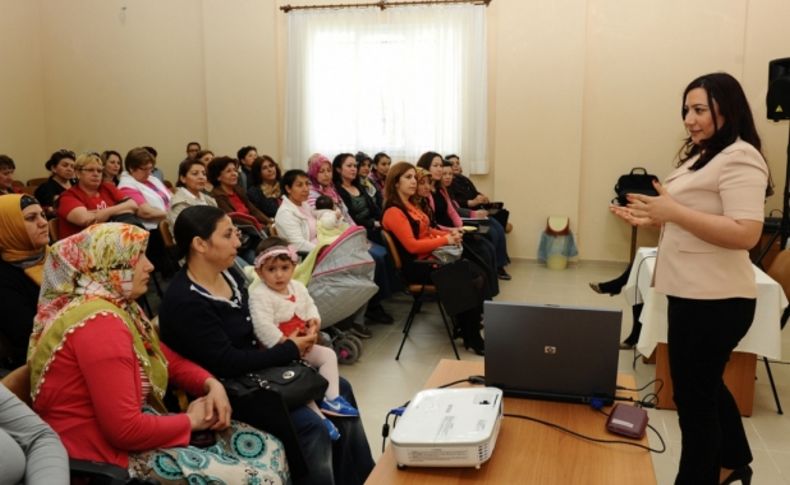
point(742, 474)
point(598, 288)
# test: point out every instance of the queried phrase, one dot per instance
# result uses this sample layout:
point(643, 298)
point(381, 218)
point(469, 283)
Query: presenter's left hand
point(646, 210)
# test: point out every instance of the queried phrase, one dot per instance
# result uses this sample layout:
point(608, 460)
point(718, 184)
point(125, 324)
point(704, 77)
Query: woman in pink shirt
point(99, 372)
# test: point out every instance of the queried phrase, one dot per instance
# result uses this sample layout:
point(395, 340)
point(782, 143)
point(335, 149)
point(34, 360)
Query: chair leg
point(773, 386)
point(407, 325)
point(449, 329)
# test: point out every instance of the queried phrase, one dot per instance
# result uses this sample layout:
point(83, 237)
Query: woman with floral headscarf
point(24, 236)
point(99, 373)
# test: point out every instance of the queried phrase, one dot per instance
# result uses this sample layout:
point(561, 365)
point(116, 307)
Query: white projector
point(448, 428)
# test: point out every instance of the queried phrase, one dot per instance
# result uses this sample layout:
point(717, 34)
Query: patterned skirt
point(241, 455)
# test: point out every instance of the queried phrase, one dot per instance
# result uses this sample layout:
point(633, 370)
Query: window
point(404, 81)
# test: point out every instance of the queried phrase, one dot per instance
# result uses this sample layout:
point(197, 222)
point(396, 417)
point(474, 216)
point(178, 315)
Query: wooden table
point(528, 452)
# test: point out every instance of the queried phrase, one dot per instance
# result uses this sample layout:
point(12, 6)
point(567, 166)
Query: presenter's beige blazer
point(732, 184)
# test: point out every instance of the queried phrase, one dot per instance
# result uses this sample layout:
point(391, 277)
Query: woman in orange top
point(416, 239)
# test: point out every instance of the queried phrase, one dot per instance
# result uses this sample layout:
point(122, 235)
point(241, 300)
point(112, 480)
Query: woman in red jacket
point(99, 372)
point(411, 227)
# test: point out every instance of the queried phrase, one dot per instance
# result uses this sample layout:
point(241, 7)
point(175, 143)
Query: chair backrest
point(392, 248)
point(53, 229)
point(780, 270)
point(167, 236)
point(37, 181)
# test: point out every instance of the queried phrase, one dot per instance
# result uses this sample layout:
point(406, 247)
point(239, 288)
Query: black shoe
point(377, 314)
point(503, 275)
point(598, 288)
point(360, 331)
point(742, 474)
point(477, 347)
point(626, 346)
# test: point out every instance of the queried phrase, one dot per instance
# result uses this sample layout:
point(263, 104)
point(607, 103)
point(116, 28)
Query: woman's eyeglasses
point(91, 170)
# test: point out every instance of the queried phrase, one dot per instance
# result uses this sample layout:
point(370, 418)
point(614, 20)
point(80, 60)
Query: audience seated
point(30, 452)
point(475, 249)
point(112, 166)
point(61, 165)
point(412, 231)
point(379, 170)
point(320, 171)
point(464, 192)
point(205, 156)
point(205, 317)
point(191, 186)
point(364, 212)
point(223, 175)
point(99, 373)
point(150, 194)
point(153, 202)
point(155, 171)
point(447, 215)
point(245, 157)
point(364, 163)
point(90, 200)
point(24, 236)
point(7, 168)
point(264, 185)
point(192, 150)
point(295, 221)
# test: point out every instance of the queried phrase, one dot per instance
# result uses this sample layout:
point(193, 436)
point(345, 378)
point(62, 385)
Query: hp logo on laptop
point(549, 349)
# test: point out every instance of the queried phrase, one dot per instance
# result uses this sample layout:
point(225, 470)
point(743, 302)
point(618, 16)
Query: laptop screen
point(552, 352)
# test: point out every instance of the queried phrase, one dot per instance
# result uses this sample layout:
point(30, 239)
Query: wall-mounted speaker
point(778, 99)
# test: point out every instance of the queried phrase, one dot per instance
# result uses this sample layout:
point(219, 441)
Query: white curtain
point(403, 80)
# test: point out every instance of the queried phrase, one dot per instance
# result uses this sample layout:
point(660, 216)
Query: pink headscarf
point(314, 164)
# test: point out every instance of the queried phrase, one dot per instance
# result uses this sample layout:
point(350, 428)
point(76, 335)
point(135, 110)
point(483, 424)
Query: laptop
point(552, 352)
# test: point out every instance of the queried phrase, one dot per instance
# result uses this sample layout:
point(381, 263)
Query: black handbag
point(638, 181)
point(297, 384)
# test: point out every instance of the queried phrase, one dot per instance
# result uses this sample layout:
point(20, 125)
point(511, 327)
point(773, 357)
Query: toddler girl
point(280, 308)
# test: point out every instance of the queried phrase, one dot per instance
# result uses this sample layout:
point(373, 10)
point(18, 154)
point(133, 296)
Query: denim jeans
point(346, 461)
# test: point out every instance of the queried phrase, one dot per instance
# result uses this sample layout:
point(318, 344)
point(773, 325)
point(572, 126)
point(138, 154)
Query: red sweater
point(108, 195)
point(92, 396)
point(396, 222)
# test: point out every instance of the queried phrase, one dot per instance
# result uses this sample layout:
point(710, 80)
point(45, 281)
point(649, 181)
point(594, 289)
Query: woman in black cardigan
point(205, 317)
point(24, 235)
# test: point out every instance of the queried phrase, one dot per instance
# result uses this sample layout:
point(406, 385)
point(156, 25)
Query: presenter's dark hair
point(196, 221)
point(725, 97)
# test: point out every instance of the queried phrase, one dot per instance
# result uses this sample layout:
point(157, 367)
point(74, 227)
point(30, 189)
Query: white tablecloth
point(763, 338)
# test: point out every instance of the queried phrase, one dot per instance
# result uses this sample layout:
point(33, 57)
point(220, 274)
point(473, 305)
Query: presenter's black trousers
point(701, 336)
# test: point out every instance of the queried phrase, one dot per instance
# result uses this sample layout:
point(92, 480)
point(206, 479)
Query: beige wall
point(22, 130)
point(580, 91)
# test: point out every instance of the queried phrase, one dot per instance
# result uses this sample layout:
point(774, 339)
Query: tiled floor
point(381, 383)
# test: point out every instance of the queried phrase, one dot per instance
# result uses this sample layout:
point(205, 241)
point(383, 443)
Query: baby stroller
point(341, 282)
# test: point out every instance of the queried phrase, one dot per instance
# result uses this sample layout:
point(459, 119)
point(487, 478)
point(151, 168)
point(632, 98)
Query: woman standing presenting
point(711, 213)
